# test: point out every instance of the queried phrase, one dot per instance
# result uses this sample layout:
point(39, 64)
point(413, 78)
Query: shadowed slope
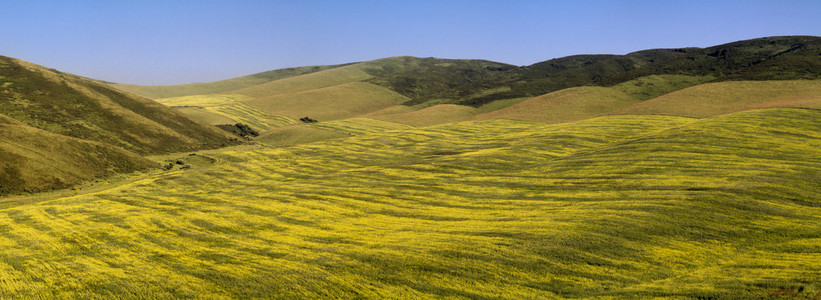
point(36, 160)
point(220, 109)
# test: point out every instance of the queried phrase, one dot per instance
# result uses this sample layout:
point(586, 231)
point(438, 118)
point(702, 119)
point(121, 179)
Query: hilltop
point(476, 82)
point(422, 91)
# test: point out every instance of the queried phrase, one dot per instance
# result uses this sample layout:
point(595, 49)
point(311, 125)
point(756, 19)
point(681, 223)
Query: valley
point(673, 173)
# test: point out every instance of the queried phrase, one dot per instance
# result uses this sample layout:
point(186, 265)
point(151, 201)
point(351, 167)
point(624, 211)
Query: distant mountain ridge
point(478, 82)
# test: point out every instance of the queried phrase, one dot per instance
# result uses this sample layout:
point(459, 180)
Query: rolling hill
point(718, 98)
point(73, 106)
point(329, 103)
point(621, 206)
point(217, 87)
point(666, 173)
point(62, 129)
point(33, 159)
point(366, 88)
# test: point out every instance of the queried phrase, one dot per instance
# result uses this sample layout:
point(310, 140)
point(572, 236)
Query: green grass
point(620, 206)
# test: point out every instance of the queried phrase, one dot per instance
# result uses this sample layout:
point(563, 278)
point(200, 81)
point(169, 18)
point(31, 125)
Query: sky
point(175, 41)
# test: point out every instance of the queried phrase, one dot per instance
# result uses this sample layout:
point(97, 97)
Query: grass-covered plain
point(617, 206)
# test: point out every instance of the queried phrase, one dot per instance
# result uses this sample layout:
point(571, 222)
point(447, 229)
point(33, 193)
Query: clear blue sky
point(170, 42)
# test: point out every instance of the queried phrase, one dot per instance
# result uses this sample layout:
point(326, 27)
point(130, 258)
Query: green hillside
point(476, 83)
point(725, 97)
point(565, 105)
point(220, 109)
point(73, 106)
point(307, 82)
point(437, 114)
point(329, 103)
point(36, 160)
point(61, 130)
point(578, 103)
point(217, 87)
point(426, 82)
point(619, 206)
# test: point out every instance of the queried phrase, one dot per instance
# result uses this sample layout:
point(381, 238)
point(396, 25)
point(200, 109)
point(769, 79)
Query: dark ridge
point(477, 82)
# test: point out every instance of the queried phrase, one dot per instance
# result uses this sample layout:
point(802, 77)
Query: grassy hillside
point(425, 79)
point(60, 130)
point(219, 109)
point(37, 160)
point(617, 206)
point(426, 82)
point(724, 97)
point(329, 103)
point(76, 107)
point(573, 104)
point(299, 134)
point(360, 126)
point(217, 87)
point(307, 82)
point(438, 114)
point(566, 105)
point(323, 131)
point(477, 83)
point(771, 58)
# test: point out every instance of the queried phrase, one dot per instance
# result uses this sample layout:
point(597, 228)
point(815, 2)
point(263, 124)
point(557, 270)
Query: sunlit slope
point(298, 134)
point(306, 82)
point(713, 99)
point(322, 131)
point(579, 103)
point(36, 160)
point(219, 109)
point(74, 106)
point(329, 103)
point(437, 114)
point(619, 206)
point(360, 126)
point(565, 105)
point(216, 87)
